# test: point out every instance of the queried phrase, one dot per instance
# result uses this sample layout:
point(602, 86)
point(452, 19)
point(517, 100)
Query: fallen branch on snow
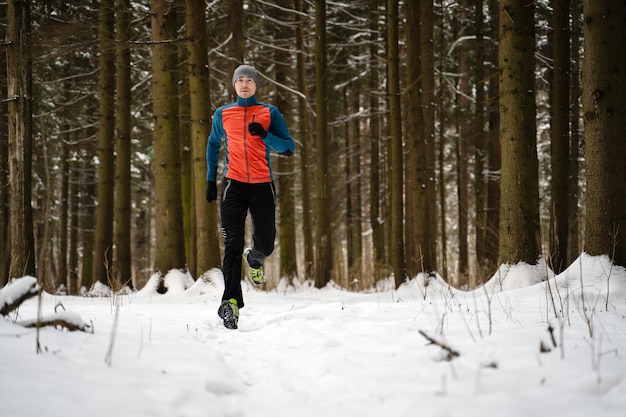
point(20, 290)
point(66, 320)
point(450, 353)
point(16, 292)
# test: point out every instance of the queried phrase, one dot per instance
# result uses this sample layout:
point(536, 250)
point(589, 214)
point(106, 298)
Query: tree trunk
point(74, 224)
point(122, 208)
point(574, 217)
point(19, 91)
point(88, 208)
point(519, 212)
point(307, 139)
point(415, 138)
point(5, 236)
point(44, 202)
point(323, 259)
point(170, 247)
point(355, 228)
point(64, 210)
point(397, 184)
point(344, 180)
point(559, 155)
point(463, 150)
point(376, 220)
point(185, 151)
point(285, 165)
point(103, 237)
point(142, 232)
point(604, 109)
point(492, 234)
point(480, 149)
point(428, 226)
point(443, 118)
point(206, 219)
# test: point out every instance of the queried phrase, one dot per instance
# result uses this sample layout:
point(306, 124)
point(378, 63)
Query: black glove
point(256, 129)
point(211, 191)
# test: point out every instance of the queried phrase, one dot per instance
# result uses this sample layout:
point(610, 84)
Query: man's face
point(245, 87)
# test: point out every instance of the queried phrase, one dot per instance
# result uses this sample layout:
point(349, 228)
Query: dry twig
point(450, 353)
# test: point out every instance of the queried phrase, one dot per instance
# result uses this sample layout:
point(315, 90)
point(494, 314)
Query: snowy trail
point(295, 355)
point(315, 359)
point(314, 352)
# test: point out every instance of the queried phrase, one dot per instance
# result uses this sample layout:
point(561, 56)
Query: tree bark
point(5, 235)
point(64, 211)
point(74, 224)
point(170, 246)
point(428, 225)
point(397, 183)
point(19, 92)
point(560, 153)
point(519, 210)
point(415, 140)
point(492, 234)
point(463, 150)
point(185, 151)
point(285, 165)
point(353, 165)
point(122, 207)
point(573, 212)
point(307, 138)
point(103, 237)
point(206, 219)
point(604, 109)
point(376, 200)
point(88, 216)
point(323, 259)
point(443, 118)
point(480, 150)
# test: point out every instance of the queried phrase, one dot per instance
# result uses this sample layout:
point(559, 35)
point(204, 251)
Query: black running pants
point(237, 199)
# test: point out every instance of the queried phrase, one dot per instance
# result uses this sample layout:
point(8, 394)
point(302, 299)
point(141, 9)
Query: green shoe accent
point(256, 274)
point(229, 312)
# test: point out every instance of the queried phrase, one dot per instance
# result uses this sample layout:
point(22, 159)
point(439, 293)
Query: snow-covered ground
point(308, 352)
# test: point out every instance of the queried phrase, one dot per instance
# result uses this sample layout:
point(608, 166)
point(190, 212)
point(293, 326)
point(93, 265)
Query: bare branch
point(66, 320)
point(451, 353)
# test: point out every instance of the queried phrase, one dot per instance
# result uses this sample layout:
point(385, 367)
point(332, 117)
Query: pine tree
point(604, 108)
point(397, 184)
point(170, 247)
point(122, 206)
point(323, 258)
point(19, 89)
point(206, 220)
point(519, 210)
point(559, 155)
point(103, 250)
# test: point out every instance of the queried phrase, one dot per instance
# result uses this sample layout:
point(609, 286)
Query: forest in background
point(435, 136)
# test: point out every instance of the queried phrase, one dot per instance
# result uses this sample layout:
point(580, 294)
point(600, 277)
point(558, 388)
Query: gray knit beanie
point(246, 71)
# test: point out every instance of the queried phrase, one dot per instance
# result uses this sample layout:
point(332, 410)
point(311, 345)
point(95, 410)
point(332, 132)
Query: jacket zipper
point(245, 138)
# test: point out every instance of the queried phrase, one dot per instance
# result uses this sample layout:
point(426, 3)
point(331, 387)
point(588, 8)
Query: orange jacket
point(247, 157)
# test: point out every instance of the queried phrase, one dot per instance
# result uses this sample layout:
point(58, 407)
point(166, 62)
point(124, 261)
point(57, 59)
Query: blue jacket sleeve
point(278, 137)
point(213, 145)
